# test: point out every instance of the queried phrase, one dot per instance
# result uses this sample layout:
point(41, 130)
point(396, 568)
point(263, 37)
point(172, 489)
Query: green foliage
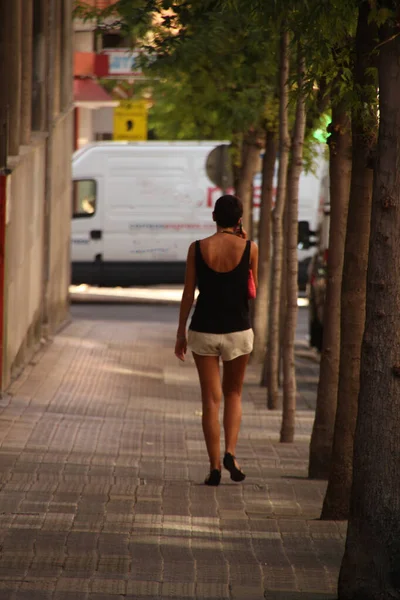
point(176, 113)
point(382, 14)
point(132, 18)
point(214, 72)
point(212, 65)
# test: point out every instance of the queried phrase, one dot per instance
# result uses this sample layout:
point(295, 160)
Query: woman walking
point(220, 327)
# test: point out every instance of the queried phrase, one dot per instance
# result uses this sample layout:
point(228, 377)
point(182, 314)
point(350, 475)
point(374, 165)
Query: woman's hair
point(227, 211)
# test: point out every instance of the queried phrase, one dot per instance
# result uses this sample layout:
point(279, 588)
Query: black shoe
point(229, 464)
point(213, 478)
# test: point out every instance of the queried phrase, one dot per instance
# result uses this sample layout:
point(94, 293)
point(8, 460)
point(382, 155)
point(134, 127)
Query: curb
point(170, 295)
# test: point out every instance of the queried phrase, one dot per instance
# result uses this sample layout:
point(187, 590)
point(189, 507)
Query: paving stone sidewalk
point(102, 461)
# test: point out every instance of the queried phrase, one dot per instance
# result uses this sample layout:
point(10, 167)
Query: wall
point(24, 256)
point(38, 172)
point(86, 133)
point(103, 121)
point(25, 252)
point(60, 221)
point(83, 40)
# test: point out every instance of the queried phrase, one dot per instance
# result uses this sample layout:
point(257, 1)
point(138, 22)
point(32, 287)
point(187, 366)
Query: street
point(137, 313)
point(164, 313)
point(102, 461)
point(127, 131)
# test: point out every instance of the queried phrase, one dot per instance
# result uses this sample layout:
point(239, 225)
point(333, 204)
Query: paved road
point(163, 313)
point(133, 313)
point(102, 461)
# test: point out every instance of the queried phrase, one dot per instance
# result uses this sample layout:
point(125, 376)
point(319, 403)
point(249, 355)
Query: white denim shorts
point(226, 345)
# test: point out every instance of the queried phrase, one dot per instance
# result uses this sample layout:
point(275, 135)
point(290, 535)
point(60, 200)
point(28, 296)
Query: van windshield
point(84, 198)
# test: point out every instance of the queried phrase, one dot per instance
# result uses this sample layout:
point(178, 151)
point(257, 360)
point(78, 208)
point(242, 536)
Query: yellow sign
point(130, 121)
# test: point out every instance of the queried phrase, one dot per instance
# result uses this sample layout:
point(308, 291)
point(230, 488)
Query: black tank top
point(222, 304)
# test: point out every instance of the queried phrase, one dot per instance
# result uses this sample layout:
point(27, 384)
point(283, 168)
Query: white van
point(138, 206)
point(310, 202)
point(136, 209)
point(309, 214)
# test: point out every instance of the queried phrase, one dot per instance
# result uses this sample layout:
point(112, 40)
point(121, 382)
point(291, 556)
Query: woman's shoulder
point(209, 237)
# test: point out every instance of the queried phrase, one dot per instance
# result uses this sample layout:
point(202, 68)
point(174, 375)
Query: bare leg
point(210, 383)
point(232, 385)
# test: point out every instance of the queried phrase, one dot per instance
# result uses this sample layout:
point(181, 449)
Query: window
point(84, 197)
point(114, 40)
point(103, 136)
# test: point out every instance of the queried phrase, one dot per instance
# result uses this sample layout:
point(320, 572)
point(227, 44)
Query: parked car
point(316, 291)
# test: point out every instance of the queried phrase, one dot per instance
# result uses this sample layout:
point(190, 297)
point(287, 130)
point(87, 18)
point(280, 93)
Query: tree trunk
point(264, 249)
point(339, 190)
point(284, 284)
point(364, 127)
point(236, 157)
point(250, 161)
point(272, 367)
point(371, 564)
point(292, 207)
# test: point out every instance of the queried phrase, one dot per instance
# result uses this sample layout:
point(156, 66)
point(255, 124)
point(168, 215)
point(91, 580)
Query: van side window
point(84, 197)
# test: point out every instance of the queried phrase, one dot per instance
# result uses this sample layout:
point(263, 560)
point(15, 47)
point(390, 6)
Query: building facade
point(99, 54)
point(36, 143)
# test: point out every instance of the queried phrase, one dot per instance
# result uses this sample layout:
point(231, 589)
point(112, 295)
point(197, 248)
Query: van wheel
point(316, 332)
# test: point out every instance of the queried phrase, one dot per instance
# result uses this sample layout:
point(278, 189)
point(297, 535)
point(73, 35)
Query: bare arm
point(186, 303)
point(254, 262)
point(253, 255)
